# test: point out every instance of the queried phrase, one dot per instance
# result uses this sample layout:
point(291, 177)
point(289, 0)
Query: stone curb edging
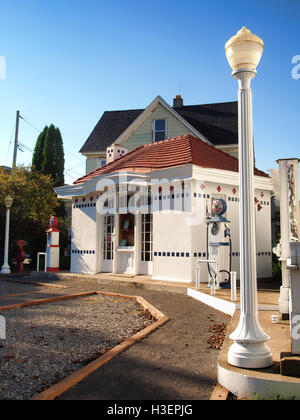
point(62, 386)
point(219, 393)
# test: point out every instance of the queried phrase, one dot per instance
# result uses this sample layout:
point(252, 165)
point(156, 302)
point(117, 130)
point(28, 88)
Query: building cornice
point(229, 177)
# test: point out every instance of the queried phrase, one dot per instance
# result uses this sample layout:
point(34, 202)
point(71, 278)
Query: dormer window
point(159, 130)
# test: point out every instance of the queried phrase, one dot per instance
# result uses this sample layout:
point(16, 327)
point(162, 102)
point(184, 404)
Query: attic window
point(101, 162)
point(159, 130)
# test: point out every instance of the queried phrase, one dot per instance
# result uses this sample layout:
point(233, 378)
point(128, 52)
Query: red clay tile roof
point(168, 153)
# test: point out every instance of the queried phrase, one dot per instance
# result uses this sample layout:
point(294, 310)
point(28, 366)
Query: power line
point(77, 173)
point(74, 156)
point(20, 146)
point(39, 131)
point(11, 139)
point(31, 125)
point(77, 166)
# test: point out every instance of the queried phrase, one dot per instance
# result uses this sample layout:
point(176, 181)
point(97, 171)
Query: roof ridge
point(212, 103)
point(174, 151)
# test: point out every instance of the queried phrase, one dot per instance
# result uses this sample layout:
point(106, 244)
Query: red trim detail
point(51, 269)
point(52, 246)
point(52, 230)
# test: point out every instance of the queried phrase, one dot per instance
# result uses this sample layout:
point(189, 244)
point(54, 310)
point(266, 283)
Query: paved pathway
point(173, 363)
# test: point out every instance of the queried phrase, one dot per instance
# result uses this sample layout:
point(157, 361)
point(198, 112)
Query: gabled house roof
point(168, 153)
point(215, 123)
point(111, 125)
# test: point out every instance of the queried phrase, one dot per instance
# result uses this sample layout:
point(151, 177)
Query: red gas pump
point(20, 255)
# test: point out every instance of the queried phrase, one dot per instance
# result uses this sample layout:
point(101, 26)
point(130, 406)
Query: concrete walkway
point(173, 363)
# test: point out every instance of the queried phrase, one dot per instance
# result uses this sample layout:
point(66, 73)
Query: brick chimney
point(178, 102)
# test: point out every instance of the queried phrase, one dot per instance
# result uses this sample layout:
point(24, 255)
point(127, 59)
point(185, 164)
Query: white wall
point(179, 239)
point(172, 248)
point(83, 245)
point(263, 235)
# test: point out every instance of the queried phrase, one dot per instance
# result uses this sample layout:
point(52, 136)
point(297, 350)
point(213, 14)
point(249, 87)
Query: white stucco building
point(145, 212)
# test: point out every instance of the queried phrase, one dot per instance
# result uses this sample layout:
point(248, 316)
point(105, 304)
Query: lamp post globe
point(8, 201)
point(244, 50)
point(249, 350)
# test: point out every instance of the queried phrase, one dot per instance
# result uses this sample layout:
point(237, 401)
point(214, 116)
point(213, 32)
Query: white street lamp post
point(243, 52)
point(8, 203)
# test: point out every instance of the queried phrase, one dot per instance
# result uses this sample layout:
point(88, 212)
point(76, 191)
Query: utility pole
point(16, 142)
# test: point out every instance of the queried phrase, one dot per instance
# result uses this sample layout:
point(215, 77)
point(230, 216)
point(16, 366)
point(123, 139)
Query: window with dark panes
point(159, 130)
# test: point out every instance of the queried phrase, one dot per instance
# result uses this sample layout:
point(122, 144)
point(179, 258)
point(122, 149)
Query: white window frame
point(143, 237)
point(108, 237)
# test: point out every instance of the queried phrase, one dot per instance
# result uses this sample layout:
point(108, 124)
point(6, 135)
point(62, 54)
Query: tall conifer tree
point(48, 156)
point(37, 158)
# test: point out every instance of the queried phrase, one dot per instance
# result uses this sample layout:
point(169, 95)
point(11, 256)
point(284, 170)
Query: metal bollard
point(38, 261)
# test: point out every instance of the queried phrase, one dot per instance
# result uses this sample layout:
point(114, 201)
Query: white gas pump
point(52, 246)
point(219, 246)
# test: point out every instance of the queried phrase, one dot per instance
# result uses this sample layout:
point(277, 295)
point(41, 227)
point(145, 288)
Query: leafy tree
point(34, 203)
point(37, 158)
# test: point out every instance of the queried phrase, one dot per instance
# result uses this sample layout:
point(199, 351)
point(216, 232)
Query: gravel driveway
point(176, 362)
point(46, 343)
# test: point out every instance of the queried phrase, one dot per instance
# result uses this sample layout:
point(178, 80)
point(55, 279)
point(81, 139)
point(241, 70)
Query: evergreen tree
point(37, 158)
point(53, 161)
point(60, 161)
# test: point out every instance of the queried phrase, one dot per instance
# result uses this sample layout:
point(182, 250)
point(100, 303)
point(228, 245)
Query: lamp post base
point(5, 270)
point(250, 356)
point(284, 301)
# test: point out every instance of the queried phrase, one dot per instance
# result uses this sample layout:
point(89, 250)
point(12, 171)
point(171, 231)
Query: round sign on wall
point(219, 207)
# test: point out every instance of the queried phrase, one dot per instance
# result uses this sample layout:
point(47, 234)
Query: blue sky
point(69, 61)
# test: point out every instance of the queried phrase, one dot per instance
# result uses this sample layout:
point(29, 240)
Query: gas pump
point(218, 246)
point(53, 245)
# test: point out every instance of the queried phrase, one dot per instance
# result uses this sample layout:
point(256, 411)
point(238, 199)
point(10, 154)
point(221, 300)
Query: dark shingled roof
point(217, 122)
point(109, 128)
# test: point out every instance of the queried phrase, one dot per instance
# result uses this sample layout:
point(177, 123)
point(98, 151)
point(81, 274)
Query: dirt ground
point(173, 363)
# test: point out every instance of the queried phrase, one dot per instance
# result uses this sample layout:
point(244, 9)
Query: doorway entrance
point(108, 243)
